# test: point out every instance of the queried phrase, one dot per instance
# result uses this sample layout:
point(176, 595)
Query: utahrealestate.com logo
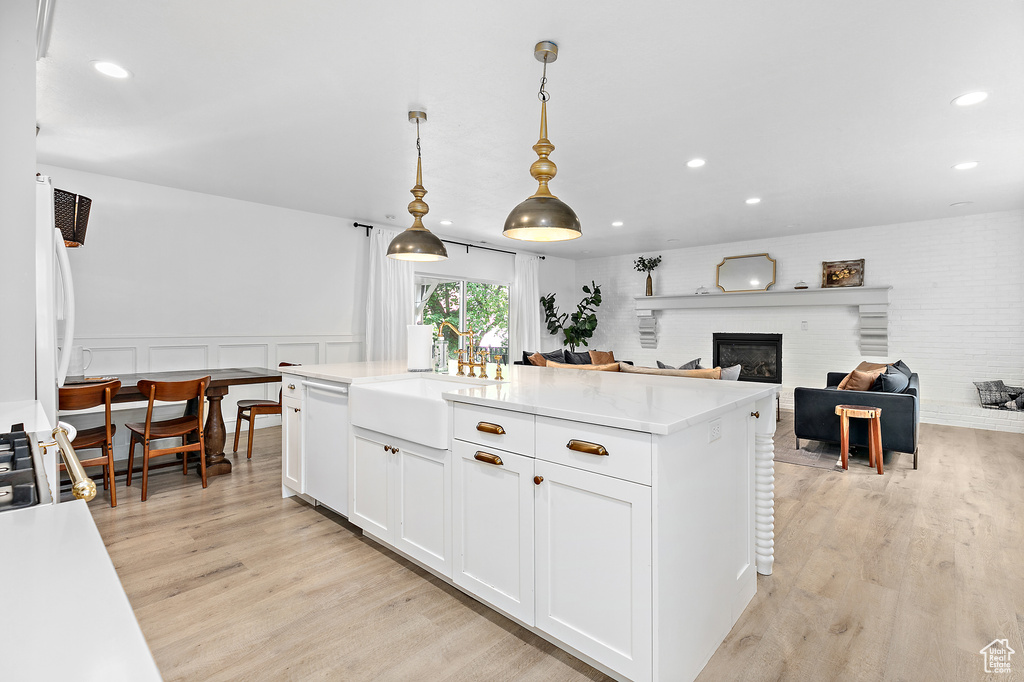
point(997, 656)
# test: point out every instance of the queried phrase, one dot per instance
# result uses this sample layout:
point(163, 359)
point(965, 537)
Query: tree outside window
point(482, 306)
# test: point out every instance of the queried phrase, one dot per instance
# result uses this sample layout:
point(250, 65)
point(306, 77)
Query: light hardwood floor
point(897, 577)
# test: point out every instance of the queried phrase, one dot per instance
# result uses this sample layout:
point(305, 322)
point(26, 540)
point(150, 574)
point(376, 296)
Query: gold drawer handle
point(488, 457)
point(488, 427)
point(291, 387)
point(587, 448)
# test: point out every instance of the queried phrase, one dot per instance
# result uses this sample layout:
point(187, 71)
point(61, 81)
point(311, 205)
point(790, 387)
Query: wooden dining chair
point(248, 410)
point(180, 427)
point(71, 398)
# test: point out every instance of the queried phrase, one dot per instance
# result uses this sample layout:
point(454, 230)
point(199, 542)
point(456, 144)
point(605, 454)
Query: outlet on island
point(714, 430)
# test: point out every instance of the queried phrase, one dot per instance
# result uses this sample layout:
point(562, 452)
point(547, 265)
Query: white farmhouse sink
point(412, 409)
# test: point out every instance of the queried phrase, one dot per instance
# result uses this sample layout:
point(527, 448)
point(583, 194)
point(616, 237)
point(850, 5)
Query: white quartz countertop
point(62, 594)
point(27, 412)
point(639, 402)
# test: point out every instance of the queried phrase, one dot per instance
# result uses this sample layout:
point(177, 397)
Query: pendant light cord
point(543, 95)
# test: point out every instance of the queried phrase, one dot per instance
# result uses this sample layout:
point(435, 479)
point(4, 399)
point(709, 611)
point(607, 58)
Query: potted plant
point(647, 265)
point(583, 321)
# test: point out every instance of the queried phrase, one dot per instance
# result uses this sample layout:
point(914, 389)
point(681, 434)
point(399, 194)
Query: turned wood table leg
point(214, 434)
point(764, 486)
point(844, 439)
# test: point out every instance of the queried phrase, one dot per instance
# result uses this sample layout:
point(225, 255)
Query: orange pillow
point(538, 360)
point(606, 367)
point(858, 381)
point(601, 357)
point(872, 368)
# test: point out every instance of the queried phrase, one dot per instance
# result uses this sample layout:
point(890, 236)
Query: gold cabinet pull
point(291, 387)
point(488, 457)
point(488, 427)
point(586, 448)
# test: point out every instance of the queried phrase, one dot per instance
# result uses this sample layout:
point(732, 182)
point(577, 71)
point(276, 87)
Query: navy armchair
point(815, 414)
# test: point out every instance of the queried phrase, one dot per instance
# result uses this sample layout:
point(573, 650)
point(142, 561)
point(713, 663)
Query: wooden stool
point(874, 432)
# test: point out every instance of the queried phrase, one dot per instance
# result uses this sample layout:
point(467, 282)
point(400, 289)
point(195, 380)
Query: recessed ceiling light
point(389, 217)
point(673, 241)
point(446, 222)
point(111, 69)
point(754, 200)
point(966, 165)
point(970, 98)
point(695, 163)
point(586, 251)
point(957, 204)
point(617, 223)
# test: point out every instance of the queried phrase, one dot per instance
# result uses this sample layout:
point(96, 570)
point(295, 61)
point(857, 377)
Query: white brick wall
point(956, 311)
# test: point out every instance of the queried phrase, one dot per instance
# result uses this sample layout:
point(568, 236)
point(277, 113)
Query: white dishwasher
point(325, 443)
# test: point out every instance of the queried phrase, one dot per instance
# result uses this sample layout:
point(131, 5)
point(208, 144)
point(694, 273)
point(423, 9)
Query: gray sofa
point(815, 414)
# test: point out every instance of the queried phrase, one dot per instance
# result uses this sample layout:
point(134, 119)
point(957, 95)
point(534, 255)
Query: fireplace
point(759, 355)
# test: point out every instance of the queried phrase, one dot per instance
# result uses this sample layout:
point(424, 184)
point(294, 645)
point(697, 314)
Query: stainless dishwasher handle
point(340, 390)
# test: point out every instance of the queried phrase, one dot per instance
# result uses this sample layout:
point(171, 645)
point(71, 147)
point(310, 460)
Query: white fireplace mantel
point(872, 302)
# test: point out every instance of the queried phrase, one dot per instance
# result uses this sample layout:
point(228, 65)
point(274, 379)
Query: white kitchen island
point(621, 516)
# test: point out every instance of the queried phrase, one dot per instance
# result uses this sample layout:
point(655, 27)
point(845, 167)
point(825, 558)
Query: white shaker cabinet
point(369, 487)
point(593, 545)
point(291, 445)
point(401, 495)
point(493, 527)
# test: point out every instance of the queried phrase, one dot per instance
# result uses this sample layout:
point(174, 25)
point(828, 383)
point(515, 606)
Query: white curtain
point(525, 310)
point(390, 300)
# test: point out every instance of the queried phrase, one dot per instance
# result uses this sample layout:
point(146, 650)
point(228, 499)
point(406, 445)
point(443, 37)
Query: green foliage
point(582, 323)
point(487, 308)
point(643, 264)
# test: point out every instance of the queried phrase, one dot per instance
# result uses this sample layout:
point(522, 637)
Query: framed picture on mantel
point(842, 273)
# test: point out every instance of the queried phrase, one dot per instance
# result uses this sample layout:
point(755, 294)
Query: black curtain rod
point(449, 241)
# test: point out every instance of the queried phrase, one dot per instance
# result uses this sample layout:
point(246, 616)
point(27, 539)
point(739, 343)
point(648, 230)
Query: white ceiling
point(837, 115)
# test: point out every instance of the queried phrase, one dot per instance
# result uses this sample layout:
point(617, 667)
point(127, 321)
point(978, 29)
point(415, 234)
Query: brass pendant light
point(543, 217)
point(417, 243)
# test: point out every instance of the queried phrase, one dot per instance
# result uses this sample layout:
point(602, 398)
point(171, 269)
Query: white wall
point(17, 200)
point(956, 311)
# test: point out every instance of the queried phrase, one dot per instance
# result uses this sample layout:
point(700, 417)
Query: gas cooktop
point(17, 471)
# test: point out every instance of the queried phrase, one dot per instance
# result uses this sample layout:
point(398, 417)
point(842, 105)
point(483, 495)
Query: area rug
point(817, 454)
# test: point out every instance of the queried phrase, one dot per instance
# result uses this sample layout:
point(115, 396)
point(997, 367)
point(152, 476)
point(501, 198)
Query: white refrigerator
point(55, 302)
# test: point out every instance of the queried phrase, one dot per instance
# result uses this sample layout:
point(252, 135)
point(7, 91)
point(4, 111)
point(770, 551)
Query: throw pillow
point(692, 364)
point(902, 368)
point(537, 360)
point(992, 392)
point(715, 373)
point(858, 381)
point(872, 368)
point(891, 381)
point(731, 373)
point(577, 358)
point(601, 357)
point(608, 367)
point(556, 355)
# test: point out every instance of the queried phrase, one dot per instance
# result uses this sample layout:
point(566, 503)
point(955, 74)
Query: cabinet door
point(593, 544)
point(422, 485)
point(291, 446)
point(325, 445)
point(493, 527)
point(369, 486)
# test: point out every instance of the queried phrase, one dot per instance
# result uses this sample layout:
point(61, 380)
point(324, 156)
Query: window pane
point(444, 306)
point(487, 314)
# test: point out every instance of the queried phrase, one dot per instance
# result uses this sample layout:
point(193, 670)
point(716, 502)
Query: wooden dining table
point(214, 433)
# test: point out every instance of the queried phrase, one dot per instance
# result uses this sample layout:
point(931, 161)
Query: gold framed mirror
point(753, 272)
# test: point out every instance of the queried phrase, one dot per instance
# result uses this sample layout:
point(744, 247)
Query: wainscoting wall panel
point(130, 355)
